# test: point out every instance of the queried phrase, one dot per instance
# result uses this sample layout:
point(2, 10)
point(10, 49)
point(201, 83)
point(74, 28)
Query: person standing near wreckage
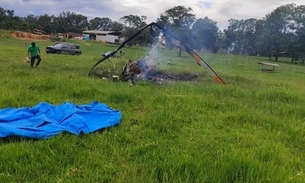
point(34, 53)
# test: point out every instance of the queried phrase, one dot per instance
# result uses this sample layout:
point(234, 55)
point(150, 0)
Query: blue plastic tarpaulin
point(45, 120)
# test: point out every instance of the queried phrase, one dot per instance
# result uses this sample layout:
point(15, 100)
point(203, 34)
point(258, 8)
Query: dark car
point(64, 47)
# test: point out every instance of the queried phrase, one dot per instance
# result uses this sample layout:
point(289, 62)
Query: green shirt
point(34, 51)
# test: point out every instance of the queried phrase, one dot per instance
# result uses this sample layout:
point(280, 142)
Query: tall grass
point(250, 130)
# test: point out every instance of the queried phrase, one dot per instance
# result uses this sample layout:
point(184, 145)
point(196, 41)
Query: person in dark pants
point(34, 53)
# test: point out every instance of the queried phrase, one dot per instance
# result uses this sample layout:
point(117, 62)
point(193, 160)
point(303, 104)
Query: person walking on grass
point(34, 53)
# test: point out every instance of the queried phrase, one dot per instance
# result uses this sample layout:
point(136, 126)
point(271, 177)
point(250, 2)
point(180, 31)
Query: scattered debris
point(158, 77)
point(115, 55)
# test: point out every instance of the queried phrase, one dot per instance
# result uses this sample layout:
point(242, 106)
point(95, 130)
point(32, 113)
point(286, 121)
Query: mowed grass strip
point(250, 130)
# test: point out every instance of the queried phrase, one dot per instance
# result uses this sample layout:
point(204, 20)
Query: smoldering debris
point(158, 77)
point(143, 70)
point(163, 75)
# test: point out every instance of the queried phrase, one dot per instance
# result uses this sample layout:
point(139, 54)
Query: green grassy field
point(250, 130)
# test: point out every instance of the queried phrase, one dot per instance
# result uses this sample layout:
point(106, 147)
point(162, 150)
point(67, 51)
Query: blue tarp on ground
point(45, 120)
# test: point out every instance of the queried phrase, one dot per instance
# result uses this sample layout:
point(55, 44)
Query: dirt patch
point(30, 36)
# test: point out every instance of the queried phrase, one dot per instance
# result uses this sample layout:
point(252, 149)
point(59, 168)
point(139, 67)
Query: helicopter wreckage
point(143, 69)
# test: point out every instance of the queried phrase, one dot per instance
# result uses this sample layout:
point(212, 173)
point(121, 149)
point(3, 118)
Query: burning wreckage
point(142, 69)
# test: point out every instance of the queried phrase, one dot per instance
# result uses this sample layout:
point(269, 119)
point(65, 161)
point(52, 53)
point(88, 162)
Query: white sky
point(218, 10)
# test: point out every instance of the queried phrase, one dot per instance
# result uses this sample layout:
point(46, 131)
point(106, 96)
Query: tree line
point(280, 32)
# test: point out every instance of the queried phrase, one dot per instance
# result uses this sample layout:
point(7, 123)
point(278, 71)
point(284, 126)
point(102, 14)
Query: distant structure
point(103, 36)
point(69, 35)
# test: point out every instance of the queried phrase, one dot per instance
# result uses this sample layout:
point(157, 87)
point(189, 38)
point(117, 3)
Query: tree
point(132, 24)
point(249, 35)
point(28, 23)
point(100, 24)
point(71, 22)
point(116, 26)
point(44, 23)
point(79, 23)
point(297, 36)
point(240, 36)
point(204, 34)
point(8, 19)
point(134, 21)
point(179, 19)
point(220, 43)
point(277, 28)
point(260, 35)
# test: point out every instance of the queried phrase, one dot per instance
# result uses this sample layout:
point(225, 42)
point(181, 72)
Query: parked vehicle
point(64, 47)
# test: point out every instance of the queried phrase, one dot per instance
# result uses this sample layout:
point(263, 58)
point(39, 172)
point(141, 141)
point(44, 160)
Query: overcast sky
point(218, 10)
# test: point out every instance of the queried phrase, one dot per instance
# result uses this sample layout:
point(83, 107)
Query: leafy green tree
point(79, 23)
point(220, 43)
point(132, 24)
point(178, 17)
point(241, 37)
point(134, 21)
point(204, 34)
point(3, 17)
point(100, 24)
point(277, 29)
point(230, 38)
point(2, 12)
point(8, 19)
point(116, 26)
point(71, 22)
point(260, 35)
point(44, 23)
point(249, 34)
point(29, 23)
point(179, 20)
point(297, 35)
